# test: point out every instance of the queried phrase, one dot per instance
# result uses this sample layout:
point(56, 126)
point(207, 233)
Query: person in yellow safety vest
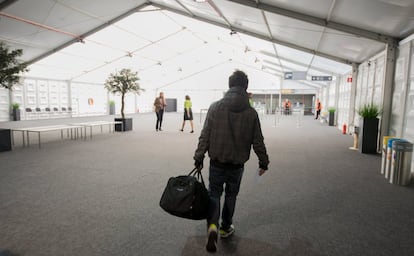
point(250, 99)
point(318, 108)
point(188, 113)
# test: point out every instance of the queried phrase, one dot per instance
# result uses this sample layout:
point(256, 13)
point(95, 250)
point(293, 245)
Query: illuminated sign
point(321, 78)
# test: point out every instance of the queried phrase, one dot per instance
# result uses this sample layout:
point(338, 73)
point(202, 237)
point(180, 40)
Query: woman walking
point(188, 113)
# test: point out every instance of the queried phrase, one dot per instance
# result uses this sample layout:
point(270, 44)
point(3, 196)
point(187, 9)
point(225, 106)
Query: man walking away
point(231, 128)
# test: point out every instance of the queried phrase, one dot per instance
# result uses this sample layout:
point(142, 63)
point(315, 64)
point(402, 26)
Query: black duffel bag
point(186, 196)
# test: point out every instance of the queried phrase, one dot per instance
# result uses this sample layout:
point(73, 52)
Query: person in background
point(250, 99)
point(286, 106)
point(318, 108)
point(231, 129)
point(188, 113)
point(159, 106)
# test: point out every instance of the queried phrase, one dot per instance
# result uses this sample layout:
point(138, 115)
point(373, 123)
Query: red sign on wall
point(349, 79)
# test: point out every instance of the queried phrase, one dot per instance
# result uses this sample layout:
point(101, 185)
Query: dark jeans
point(219, 177)
point(160, 114)
point(318, 113)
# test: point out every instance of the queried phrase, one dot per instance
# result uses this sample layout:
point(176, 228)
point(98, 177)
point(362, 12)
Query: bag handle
point(197, 173)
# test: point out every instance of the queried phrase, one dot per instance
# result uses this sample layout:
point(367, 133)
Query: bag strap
point(197, 173)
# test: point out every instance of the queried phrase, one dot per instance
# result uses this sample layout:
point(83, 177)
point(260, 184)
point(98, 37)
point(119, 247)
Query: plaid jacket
point(230, 130)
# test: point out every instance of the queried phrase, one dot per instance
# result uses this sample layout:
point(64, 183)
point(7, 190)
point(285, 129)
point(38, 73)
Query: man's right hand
point(198, 165)
point(261, 172)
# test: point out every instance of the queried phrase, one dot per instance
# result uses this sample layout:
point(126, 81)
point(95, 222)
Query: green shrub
point(369, 111)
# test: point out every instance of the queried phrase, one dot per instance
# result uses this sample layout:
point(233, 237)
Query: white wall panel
point(409, 118)
point(4, 105)
point(399, 90)
point(88, 99)
point(370, 83)
point(331, 96)
point(344, 101)
point(378, 80)
point(30, 93)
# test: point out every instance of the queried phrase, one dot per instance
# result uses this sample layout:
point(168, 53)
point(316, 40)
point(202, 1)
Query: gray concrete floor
point(100, 196)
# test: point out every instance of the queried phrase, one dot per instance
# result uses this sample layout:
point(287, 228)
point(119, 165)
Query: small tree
point(10, 66)
point(123, 82)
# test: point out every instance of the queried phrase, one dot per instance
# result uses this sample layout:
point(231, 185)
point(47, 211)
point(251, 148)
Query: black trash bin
point(5, 140)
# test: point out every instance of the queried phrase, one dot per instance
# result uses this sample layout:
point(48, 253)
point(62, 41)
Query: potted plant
point(123, 82)
point(331, 111)
point(112, 107)
point(368, 128)
point(16, 111)
point(10, 67)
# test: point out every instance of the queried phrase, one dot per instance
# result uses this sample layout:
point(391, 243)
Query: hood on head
point(237, 99)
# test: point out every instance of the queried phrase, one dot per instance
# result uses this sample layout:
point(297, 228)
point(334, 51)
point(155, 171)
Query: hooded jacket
point(230, 130)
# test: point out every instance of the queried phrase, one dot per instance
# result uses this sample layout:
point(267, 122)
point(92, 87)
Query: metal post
point(387, 90)
point(351, 119)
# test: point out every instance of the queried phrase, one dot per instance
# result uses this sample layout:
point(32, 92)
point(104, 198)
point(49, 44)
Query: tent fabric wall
point(402, 120)
point(344, 101)
point(4, 104)
point(400, 87)
point(370, 83)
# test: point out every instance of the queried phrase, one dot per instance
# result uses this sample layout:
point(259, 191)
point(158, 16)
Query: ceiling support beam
point(297, 63)
point(220, 13)
point(36, 24)
point(271, 37)
point(6, 3)
point(185, 8)
point(62, 46)
point(318, 21)
point(253, 34)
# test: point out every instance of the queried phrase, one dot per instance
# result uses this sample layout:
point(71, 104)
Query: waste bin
point(389, 157)
point(384, 152)
point(402, 152)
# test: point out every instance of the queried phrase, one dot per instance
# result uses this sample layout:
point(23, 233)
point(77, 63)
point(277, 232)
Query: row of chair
point(37, 113)
point(63, 109)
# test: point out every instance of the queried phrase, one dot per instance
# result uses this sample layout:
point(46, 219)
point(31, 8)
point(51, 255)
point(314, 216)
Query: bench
point(72, 129)
point(98, 123)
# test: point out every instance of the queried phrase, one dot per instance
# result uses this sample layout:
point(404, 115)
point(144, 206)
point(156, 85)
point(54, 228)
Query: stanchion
point(355, 146)
point(277, 117)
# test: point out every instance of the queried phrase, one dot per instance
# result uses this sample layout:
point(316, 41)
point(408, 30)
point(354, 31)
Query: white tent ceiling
point(170, 42)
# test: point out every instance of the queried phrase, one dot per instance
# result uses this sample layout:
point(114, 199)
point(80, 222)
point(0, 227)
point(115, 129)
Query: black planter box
point(368, 135)
point(16, 114)
point(126, 124)
point(5, 140)
point(331, 118)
